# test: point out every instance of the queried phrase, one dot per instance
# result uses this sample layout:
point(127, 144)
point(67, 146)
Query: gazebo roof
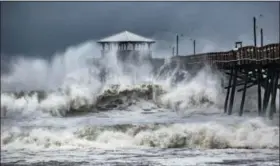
point(126, 36)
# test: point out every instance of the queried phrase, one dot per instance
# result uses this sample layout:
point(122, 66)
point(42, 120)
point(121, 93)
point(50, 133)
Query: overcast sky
point(46, 27)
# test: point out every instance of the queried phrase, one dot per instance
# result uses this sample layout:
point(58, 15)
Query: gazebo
point(127, 46)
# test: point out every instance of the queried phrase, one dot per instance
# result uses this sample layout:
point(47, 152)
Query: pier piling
point(233, 90)
point(228, 91)
point(244, 93)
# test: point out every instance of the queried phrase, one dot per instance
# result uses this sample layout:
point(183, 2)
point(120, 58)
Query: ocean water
point(133, 118)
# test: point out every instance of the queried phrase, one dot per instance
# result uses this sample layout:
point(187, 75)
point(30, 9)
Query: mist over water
point(131, 108)
point(31, 73)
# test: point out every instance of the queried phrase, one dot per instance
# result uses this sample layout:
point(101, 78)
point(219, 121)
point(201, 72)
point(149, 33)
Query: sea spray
point(67, 89)
point(31, 73)
point(200, 91)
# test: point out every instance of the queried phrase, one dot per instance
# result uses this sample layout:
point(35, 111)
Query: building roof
point(125, 36)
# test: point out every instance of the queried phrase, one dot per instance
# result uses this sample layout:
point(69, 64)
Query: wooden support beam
point(269, 89)
point(273, 96)
point(266, 91)
point(259, 92)
point(242, 76)
point(248, 86)
point(254, 82)
point(243, 96)
point(232, 91)
point(228, 90)
point(275, 90)
point(237, 84)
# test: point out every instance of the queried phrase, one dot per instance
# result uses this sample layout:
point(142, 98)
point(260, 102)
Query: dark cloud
point(45, 27)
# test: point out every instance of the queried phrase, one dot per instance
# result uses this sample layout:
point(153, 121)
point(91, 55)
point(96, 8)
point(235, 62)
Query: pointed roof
point(125, 36)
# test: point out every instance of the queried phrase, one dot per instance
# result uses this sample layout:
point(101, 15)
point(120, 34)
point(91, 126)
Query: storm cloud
point(42, 28)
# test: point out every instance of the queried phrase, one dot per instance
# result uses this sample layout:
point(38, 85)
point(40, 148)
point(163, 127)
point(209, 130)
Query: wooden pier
point(246, 67)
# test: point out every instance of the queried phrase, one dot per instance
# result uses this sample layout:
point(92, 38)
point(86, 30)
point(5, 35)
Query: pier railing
point(242, 56)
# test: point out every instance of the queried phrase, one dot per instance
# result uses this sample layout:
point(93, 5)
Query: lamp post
point(177, 43)
point(194, 46)
point(261, 29)
point(254, 30)
point(261, 37)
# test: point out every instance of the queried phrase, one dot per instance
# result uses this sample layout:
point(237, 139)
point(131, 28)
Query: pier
point(245, 67)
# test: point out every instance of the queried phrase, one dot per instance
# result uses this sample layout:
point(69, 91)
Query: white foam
point(254, 133)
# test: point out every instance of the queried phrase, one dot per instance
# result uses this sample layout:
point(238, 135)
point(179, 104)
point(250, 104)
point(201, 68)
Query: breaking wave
point(75, 82)
point(80, 99)
point(252, 134)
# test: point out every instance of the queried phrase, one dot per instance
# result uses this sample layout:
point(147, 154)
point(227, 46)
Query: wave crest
point(253, 134)
point(77, 99)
